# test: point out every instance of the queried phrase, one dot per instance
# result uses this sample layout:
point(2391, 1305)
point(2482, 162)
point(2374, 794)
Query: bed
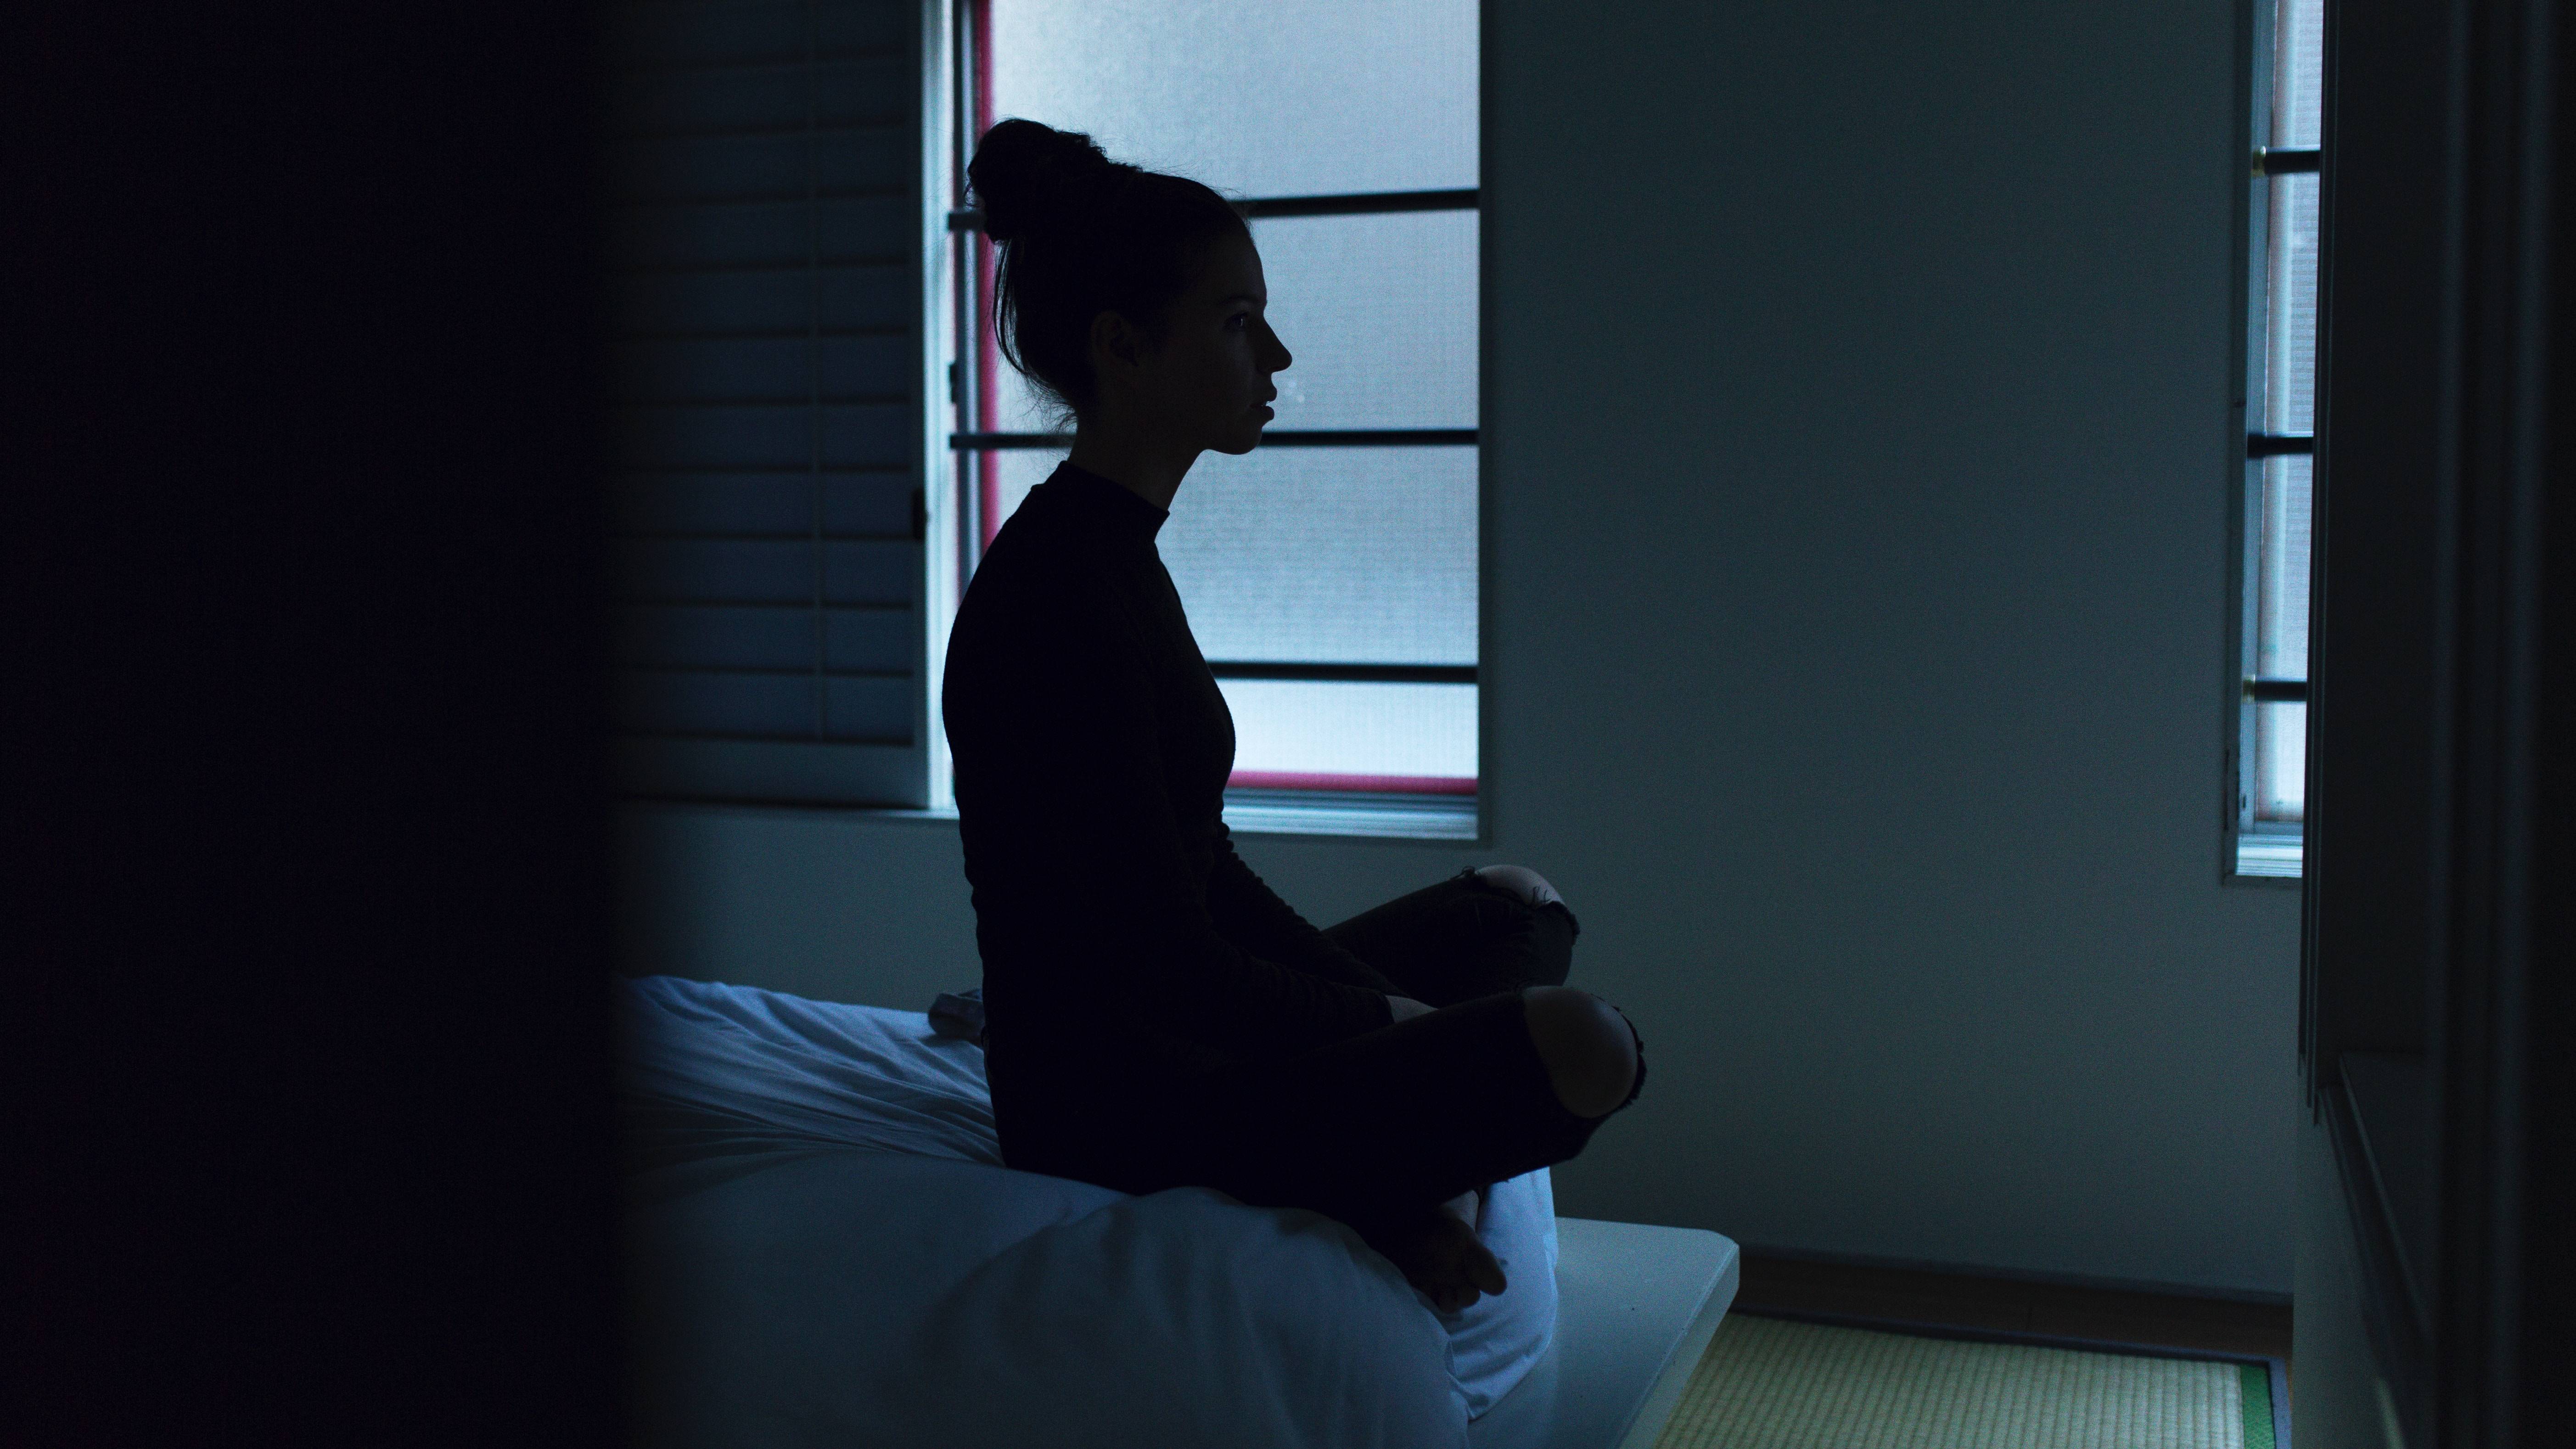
point(826, 1250)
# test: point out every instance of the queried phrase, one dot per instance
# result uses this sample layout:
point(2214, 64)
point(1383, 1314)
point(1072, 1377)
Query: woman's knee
point(1589, 1051)
point(1528, 885)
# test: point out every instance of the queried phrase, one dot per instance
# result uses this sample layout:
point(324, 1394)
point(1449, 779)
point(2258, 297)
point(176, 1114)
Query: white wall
point(1858, 402)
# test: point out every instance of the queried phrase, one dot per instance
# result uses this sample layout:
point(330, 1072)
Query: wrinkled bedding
point(828, 1251)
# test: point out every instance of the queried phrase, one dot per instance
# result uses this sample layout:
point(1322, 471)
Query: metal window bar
point(2276, 691)
point(1344, 673)
point(1357, 203)
point(1270, 438)
point(2286, 160)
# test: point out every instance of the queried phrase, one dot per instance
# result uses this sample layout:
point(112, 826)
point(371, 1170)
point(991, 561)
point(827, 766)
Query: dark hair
point(1080, 235)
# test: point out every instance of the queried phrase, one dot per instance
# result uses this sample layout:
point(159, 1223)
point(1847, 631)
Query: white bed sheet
point(828, 1252)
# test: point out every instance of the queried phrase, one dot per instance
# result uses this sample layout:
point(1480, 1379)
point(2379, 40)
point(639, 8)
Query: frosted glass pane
point(2290, 369)
point(2298, 77)
point(2281, 641)
point(1329, 555)
point(1379, 313)
point(1285, 98)
point(2280, 761)
point(1315, 555)
point(1301, 728)
point(1018, 406)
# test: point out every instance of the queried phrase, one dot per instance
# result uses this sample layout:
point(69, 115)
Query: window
point(1331, 575)
point(2270, 756)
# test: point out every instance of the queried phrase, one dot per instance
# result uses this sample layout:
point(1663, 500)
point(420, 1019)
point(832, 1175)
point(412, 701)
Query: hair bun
point(1027, 174)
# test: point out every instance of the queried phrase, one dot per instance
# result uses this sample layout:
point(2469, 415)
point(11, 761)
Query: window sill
point(1385, 817)
point(2270, 857)
point(1247, 812)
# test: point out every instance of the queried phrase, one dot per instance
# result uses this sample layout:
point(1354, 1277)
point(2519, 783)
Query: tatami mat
point(1772, 1384)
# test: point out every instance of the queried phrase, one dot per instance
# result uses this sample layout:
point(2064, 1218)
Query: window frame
point(2255, 851)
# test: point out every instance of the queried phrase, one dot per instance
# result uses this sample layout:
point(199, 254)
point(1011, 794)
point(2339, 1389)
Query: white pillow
point(722, 1080)
point(836, 1297)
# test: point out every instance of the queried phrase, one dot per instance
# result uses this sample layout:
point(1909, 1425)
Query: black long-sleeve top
point(1125, 944)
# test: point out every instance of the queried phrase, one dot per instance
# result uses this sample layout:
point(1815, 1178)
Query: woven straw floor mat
point(1770, 1384)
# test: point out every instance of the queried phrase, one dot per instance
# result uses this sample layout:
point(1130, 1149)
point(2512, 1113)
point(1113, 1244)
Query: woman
point(1156, 1016)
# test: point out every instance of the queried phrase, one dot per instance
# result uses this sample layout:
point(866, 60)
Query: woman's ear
point(1117, 348)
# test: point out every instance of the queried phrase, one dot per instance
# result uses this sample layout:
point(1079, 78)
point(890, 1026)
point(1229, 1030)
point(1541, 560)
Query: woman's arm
point(1251, 915)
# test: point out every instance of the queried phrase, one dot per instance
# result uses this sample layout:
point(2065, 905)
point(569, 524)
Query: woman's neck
point(1148, 466)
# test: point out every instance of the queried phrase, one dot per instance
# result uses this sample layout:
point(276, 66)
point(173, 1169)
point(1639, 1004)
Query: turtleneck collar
point(1112, 505)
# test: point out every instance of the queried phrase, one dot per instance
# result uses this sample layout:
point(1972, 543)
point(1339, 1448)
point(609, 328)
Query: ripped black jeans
point(1393, 1121)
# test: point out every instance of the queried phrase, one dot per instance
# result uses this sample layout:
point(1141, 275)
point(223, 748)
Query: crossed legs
point(1591, 1055)
point(1458, 947)
point(1592, 1062)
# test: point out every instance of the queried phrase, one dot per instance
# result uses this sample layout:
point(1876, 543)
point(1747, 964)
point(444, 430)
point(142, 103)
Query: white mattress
point(827, 1251)
point(1637, 1307)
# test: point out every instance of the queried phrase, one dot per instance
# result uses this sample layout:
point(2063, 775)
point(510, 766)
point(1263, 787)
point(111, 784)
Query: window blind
point(765, 173)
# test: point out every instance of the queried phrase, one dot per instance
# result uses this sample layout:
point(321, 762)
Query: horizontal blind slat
point(766, 233)
point(866, 505)
point(764, 181)
point(696, 33)
point(765, 571)
point(779, 706)
point(767, 299)
point(871, 641)
point(852, 435)
point(755, 98)
point(791, 772)
point(717, 168)
point(767, 706)
point(749, 369)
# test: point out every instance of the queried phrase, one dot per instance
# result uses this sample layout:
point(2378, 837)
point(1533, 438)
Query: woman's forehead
point(1231, 270)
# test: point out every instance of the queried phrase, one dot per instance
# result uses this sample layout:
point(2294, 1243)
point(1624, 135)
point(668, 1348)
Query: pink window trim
point(1353, 784)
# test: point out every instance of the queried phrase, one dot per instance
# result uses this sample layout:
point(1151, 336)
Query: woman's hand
point(1403, 1008)
point(1438, 1252)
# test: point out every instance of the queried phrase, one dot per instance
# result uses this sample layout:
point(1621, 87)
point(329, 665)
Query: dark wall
point(304, 823)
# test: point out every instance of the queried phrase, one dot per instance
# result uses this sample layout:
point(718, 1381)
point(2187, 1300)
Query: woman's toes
point(1443, 1257)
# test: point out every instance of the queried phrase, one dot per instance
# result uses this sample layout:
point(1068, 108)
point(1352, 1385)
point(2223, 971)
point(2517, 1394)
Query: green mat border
point(2276, 1374)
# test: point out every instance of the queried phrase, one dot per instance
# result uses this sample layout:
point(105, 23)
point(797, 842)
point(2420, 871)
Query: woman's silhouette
point(1157, 1017)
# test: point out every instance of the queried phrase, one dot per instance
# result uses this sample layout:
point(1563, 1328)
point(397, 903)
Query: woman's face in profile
point(1210, 379)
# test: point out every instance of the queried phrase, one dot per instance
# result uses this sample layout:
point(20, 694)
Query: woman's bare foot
point(1438, 1253)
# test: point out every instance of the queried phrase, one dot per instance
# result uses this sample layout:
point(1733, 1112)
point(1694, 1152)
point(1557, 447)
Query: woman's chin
point(1240, 441)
